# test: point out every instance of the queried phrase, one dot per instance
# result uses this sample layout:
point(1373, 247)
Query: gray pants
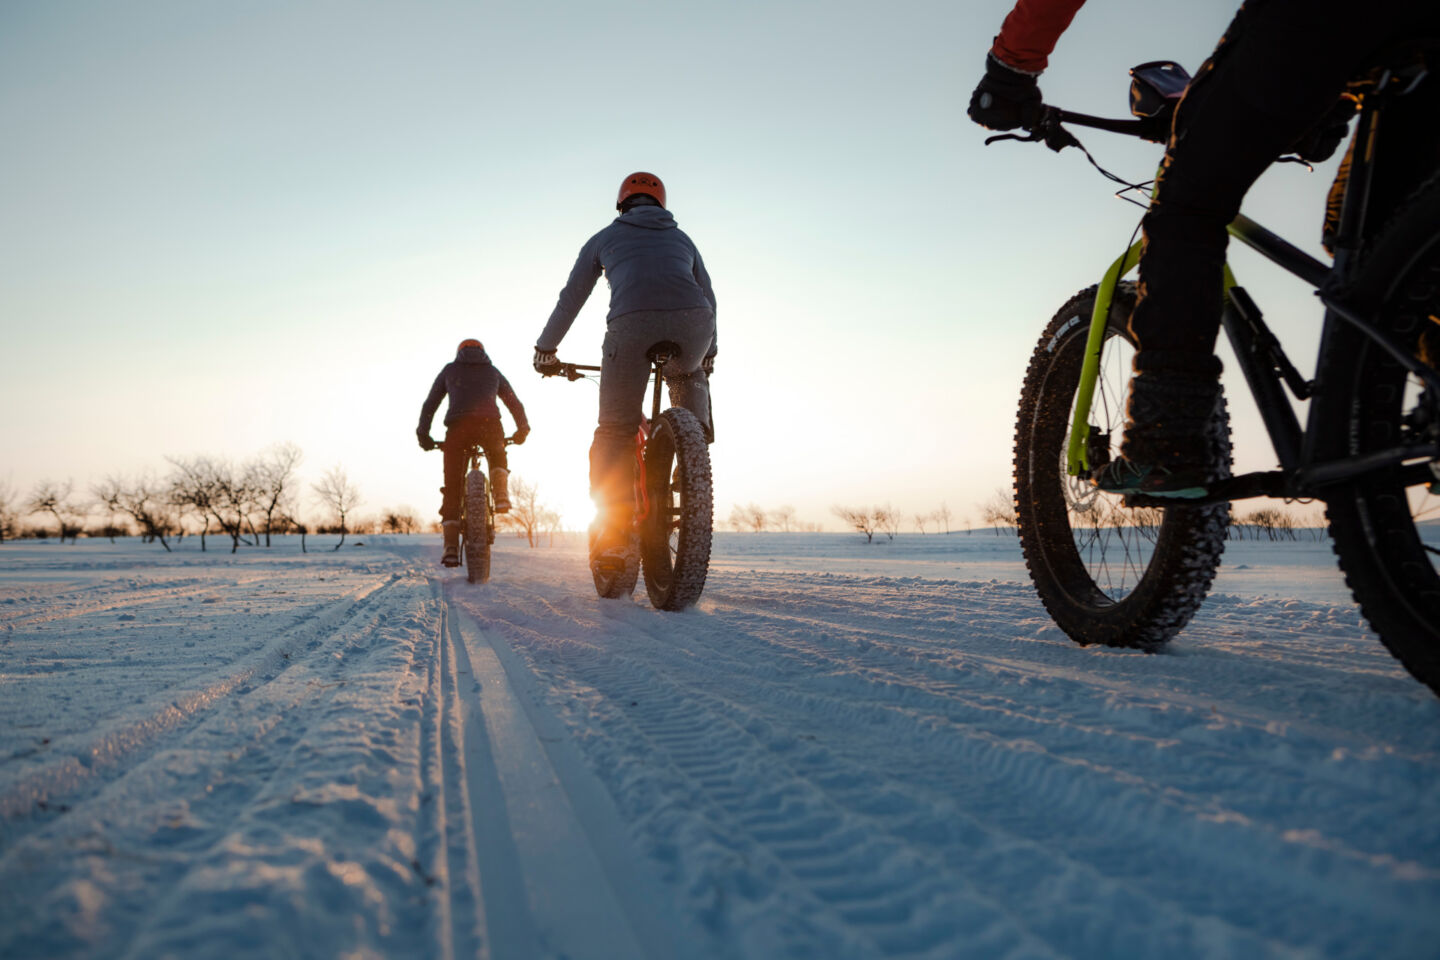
point(624, 375)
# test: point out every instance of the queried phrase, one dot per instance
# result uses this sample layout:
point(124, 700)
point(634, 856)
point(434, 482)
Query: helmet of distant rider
point(637, 183)
point(469, 342)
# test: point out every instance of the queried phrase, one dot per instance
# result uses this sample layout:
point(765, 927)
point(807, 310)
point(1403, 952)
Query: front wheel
point(476, 529)
point(1107, 573)
point(675, 534)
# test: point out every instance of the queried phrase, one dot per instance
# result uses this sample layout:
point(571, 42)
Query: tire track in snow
point(216, 824)
point(80, 762)
point(556, 872)
point(1045, 754)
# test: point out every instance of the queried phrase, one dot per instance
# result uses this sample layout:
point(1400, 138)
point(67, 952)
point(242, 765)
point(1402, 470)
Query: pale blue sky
point(224, 225)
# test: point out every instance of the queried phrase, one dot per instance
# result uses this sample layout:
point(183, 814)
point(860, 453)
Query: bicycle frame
point(1268, 371)
point(573, 371)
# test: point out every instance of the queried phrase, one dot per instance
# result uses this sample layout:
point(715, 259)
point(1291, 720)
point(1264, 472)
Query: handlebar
point(1048, 129)
point(570, 371)
point(440, 444)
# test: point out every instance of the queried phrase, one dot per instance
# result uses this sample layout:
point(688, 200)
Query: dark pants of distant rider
point(485, 431)
point(1277, 71)
point(624, 376)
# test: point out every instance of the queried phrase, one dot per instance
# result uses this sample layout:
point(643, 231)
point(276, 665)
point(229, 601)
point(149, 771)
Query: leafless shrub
point(400, 520)
point(782, 518)
point(999, 512)
point(750, 516)
point(860, 519)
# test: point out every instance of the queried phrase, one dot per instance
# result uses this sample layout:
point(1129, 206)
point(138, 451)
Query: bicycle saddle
point(663, 352)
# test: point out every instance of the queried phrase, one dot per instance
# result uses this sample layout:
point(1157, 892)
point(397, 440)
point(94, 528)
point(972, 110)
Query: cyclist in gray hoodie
point(659, 290)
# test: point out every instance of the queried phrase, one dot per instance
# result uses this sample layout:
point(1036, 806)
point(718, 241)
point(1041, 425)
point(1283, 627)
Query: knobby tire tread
point(477, 529)
point(679, 441)
point(1360, 391)
point(1189, 540)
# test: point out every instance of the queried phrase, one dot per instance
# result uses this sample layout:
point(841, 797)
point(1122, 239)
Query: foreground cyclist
point(659, 290)
point(472, 383)
point(1272, 86)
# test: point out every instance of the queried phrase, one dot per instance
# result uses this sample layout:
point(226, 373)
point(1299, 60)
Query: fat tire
point(1360, 396)
point(476, 530)
point(1188, 540)
point(677, 456)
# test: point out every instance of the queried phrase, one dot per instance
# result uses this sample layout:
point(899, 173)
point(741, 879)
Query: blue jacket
point(650, 263)
point(472, 383)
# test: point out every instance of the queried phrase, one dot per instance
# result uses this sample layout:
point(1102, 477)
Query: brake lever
point(1034, 137)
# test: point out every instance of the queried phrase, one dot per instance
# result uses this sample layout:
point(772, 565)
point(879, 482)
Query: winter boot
point(1168, 449)
point(500, 487)
point(451, 531)
point(613, 540)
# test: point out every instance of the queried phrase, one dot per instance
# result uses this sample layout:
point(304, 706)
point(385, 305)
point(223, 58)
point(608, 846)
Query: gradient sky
point(225, 225)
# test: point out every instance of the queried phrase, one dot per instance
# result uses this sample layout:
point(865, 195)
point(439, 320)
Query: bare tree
point(999, 511)
point(921, 519)
point(142, 500)
point(271, 477)
point(54, 498)
point(887, 520)
point(400, 520)
point(858, 518)
point(943, 515)
point(340, 495)
point(213, 489)
point(9, 519)
point(783, 518)
point(527, 514)
point(550, 524)
point(750, 517)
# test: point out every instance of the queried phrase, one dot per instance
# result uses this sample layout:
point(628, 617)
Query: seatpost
point(659, 378)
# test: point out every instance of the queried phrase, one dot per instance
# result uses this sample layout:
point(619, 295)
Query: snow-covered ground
point(847, 750)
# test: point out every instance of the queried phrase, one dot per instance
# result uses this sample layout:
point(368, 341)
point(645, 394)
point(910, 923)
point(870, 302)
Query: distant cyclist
point(1273, 85)
point(659, 290)
point(472, 383)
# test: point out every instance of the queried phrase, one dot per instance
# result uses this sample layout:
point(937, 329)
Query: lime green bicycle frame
point(1076, 459)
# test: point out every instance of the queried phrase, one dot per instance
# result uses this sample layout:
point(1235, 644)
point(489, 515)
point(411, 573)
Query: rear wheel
point(675, 535)
point(1386, 525)
point(477, 529)
point(1107, 573)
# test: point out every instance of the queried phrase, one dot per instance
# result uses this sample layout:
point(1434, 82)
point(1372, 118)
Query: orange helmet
point(646, 183)
point(471, 342)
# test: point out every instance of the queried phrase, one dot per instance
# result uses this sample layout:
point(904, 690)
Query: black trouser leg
point(490, 436)
point(1279, 68)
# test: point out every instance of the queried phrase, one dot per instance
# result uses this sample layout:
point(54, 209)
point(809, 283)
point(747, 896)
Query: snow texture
point(843, 751)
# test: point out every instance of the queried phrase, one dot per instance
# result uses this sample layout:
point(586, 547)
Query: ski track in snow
point(359, 754)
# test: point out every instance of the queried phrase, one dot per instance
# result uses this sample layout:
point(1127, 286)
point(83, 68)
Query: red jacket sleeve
point(1030, 32)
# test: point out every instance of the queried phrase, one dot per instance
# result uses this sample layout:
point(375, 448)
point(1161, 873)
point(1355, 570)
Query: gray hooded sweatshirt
point(650, 264)
point(472, 383)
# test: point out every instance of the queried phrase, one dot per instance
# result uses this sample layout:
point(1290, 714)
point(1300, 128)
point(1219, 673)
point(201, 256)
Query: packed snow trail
point(360, 754)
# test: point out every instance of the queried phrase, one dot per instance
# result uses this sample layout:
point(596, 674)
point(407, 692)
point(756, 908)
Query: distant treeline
point(247, 503)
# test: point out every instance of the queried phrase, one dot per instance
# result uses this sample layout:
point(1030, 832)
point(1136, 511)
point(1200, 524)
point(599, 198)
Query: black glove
point(520, 435)
point(545, 363)
point(708, 365)
point(1005, 98)
point(425, 442)
point(1320, 141)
